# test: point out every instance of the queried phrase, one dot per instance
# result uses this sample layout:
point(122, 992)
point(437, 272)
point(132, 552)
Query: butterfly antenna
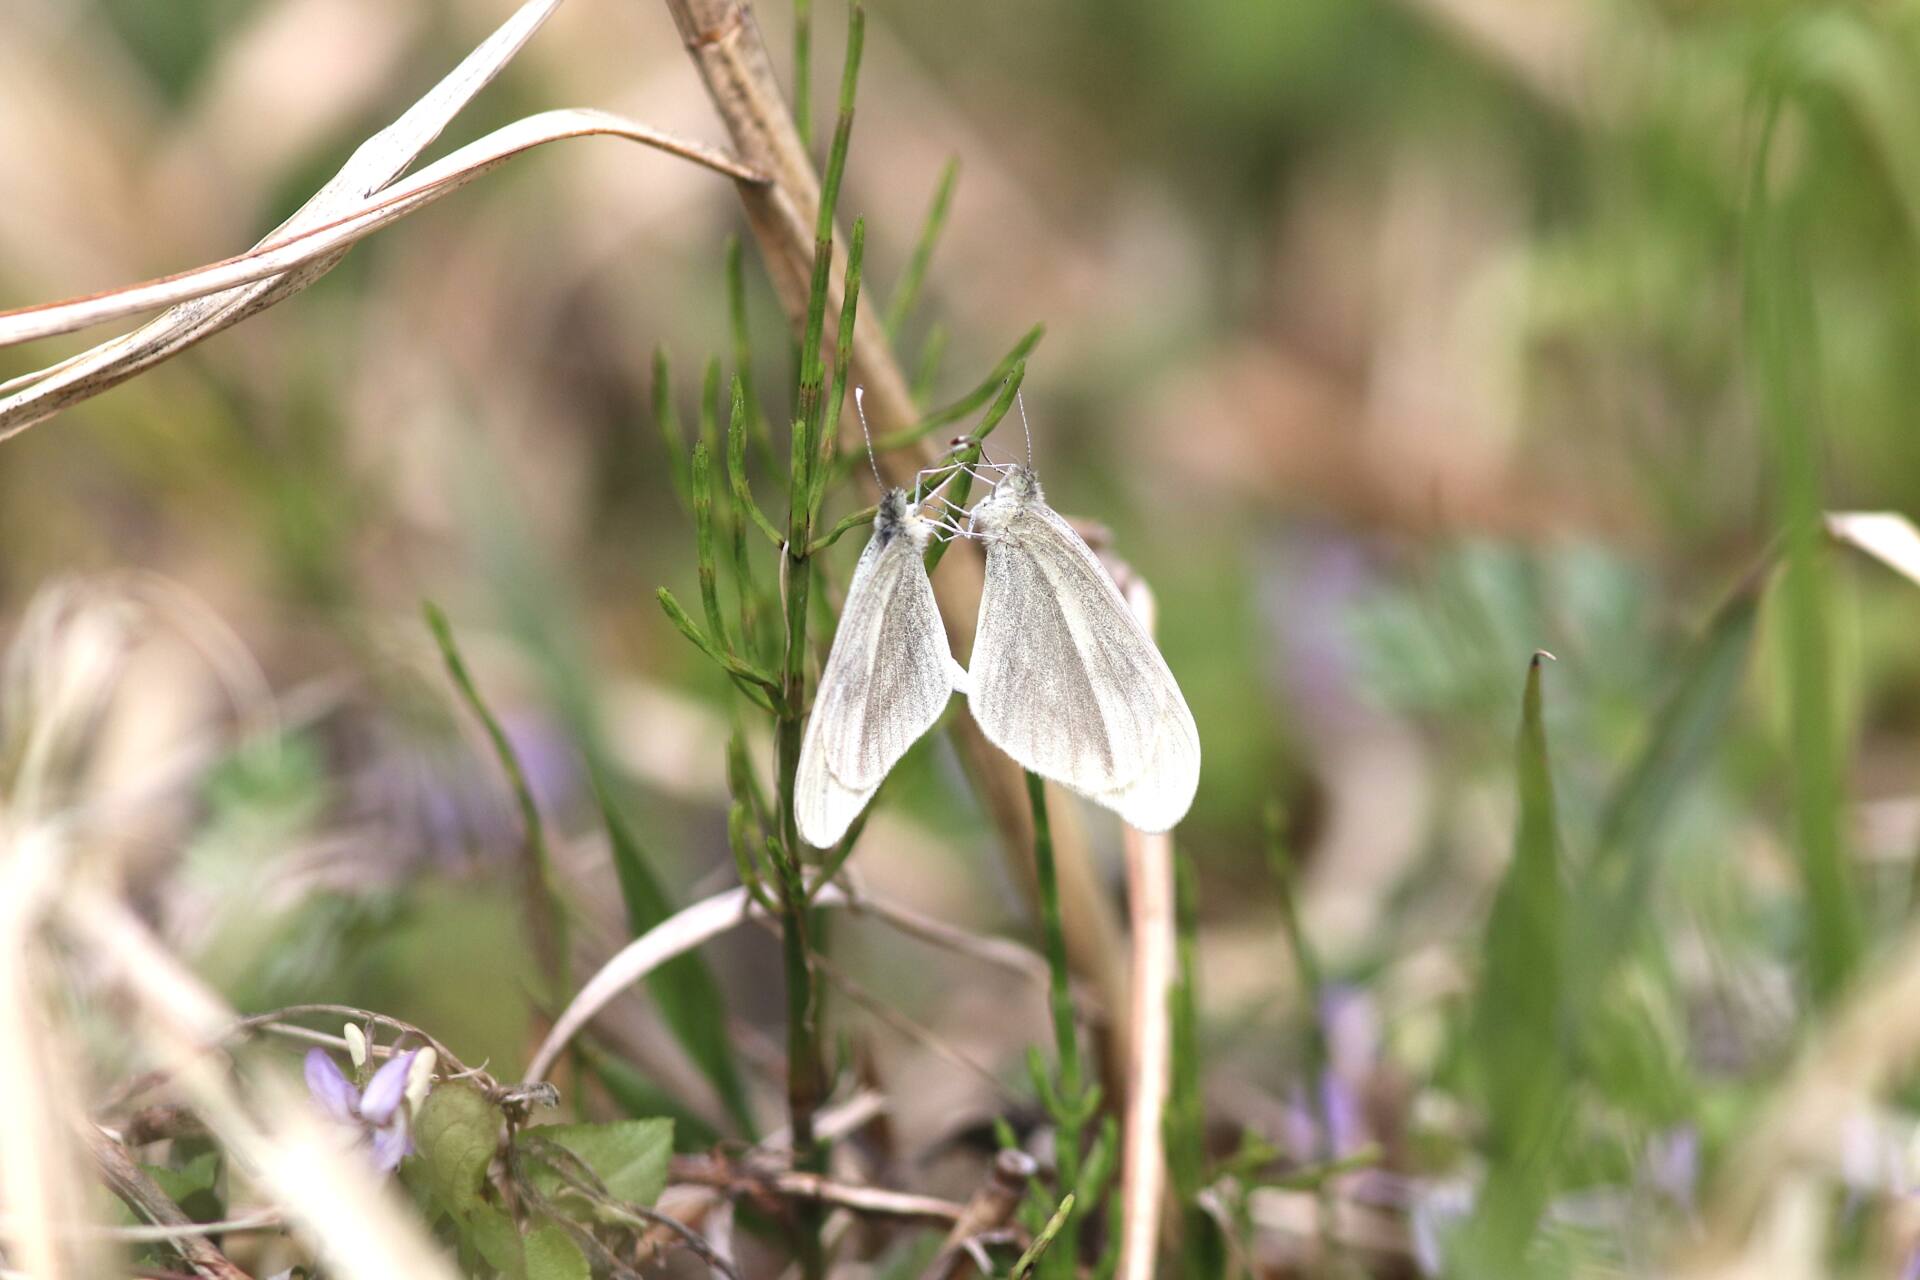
point(859, 394)
point(1018, 400)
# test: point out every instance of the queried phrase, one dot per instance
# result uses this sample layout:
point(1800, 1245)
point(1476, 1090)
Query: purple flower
point(376, 1114)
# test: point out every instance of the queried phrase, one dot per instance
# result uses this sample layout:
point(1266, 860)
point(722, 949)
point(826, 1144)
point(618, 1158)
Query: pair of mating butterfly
point(1065, 679)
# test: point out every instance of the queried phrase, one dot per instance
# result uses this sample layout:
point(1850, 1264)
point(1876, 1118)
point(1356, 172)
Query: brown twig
point(271, 1021)
point(990, 1209)
point(769, 1187)
point(143, 1195)
point(725, 44)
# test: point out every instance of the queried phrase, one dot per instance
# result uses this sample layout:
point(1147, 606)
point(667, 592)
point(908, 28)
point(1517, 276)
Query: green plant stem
point(1044, 1241)
point(549, 920)
point(803, 71)
point(864, 515)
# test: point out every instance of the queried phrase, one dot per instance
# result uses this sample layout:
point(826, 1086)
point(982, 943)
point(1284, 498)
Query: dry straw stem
point(1150, 902)
point(1143, 1166)
point(725, 43)
point(40, 1179)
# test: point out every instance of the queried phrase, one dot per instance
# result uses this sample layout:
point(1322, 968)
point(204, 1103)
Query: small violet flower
point(377, 1113)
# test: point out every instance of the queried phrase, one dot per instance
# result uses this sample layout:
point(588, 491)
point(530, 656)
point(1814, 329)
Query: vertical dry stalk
point(1143, 1167)
point(1150, 906)
point(41, 1191)
point(725, 44)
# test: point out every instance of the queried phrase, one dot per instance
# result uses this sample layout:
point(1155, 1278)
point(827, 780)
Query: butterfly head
point(898, 516)
point(1018, 488)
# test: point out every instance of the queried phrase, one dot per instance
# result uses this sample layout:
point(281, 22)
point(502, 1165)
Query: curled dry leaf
point(376, 163)
point(393, 203)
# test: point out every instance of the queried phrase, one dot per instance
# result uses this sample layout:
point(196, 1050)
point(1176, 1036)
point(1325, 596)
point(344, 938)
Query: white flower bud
point(420, 1077)
point(356, 1045)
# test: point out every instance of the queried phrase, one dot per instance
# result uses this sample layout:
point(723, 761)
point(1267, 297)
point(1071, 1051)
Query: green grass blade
point(548, 915)
point(927, 372)
point(803, 70)
point(690, 1000)
point(1785, 362)
point(743, 351)
point(709, 567)
point(842, 364)
point(812, 368)
point(970, 402)
point(1618, 882)
point(672, 434)
point(900, 307)
point(1517, 1036)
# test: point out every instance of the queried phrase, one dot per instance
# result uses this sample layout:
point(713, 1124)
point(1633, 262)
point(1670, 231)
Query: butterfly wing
point(1067, 682)
point(887, 679)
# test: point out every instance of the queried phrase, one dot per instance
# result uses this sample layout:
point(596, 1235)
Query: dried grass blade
point(674, 936)
point(372, 166)
point(442, 178)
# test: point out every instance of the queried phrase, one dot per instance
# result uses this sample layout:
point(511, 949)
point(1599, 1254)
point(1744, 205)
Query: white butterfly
point(887, 678)
point(1064, 677)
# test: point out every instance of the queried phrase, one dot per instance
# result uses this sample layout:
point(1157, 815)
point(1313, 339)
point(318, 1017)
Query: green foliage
point(551, 1254)
point(628, 1156)
point(456, 1132)
point(193, 1182)
point(690, 1000)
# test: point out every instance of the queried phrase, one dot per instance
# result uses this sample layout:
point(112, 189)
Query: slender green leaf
point(550, 917)
point(994, 382)
point(667, 419)
point(1618, 880)
point(690, 1000)
point(1517, 1038)
point(927, 372)
point(900, 307)
point(744, 673)
point(842, 364)
point(743, 351)
point(803, 70)
point(709, 570)
point(1784, 359)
